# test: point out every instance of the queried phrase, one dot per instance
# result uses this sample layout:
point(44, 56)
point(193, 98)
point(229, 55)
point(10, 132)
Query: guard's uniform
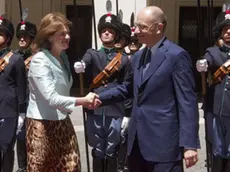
point(122, 165)
point(27, 29)
point(104, 123)
point(218, 98)
point(12, 99)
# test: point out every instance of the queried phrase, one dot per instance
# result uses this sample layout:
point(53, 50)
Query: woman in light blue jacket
point(51, 139)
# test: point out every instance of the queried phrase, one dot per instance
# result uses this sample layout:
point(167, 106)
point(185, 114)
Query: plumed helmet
point(110, 21)
point(222, 20)
point(26, 28)
point(126, 33)
point(7, 27)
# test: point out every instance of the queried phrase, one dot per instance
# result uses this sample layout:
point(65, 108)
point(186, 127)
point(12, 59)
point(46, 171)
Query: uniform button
point(225, 89)
point(226, 83)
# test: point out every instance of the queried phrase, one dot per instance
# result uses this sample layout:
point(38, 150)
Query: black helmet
point(126, 33)
point(222, 20)
point(7, 27)
point(110, 21)
point(26, 28)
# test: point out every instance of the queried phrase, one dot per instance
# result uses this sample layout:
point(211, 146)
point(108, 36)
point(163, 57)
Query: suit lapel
point(156, 60)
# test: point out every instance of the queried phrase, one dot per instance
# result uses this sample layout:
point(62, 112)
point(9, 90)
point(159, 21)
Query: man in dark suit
point(12, 94)
point(164, 123)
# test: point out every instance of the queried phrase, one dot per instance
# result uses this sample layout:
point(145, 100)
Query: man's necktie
point(146, 61)
point(147, 58)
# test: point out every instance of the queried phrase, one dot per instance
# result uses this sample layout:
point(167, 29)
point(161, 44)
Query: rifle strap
point(5, 61)
point(27, 62)
point(110, 65)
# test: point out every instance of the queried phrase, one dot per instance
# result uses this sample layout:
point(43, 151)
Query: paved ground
point(78, 125)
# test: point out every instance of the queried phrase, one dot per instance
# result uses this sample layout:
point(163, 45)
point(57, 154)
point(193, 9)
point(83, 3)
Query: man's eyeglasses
point(144, 27)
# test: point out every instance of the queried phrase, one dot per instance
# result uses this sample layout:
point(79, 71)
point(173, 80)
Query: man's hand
point(21, 119)
point(89, 99)
point(190, 157)
point(202, 65)
point(79, 67)
point(124, 125)
point(95, 104)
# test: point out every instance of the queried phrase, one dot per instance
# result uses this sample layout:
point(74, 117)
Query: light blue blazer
point(49, 84)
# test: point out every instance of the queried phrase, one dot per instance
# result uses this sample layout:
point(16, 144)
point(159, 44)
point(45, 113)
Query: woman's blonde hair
point(49, 25)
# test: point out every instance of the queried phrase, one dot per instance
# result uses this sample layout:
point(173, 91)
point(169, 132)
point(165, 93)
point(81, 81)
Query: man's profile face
point(225, 34)
point(145, 28)
point(120, 44)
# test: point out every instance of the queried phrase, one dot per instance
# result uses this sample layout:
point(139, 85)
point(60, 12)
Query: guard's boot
point(227, 166)
point(8, 161)
point(218, 164)
point(98, 164)
point(21, 155)
point(111, 164)
point(121, 159)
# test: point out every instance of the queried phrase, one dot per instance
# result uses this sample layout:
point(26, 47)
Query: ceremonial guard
point(125, 38)
point(108, 68)
point(25, 33)
point(134, 44)
point(120, 46)
point(217, 62)
point(12, 94)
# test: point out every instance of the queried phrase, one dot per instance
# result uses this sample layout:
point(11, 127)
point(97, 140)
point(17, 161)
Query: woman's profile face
point(60, 40)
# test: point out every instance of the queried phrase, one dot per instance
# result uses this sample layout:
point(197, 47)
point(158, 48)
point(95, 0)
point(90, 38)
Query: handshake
point(91, 101)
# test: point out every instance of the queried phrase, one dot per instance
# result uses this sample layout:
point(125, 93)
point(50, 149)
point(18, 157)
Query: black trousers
point(122, 155)
point(8, 128)
point(137, 163)
point(21, 148)
point(220, 165)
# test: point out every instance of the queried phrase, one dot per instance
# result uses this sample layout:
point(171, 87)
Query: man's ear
point(160, 28)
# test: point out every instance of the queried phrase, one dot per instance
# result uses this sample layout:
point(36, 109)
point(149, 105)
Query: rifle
point(82, 93)
point(109, 70)
point(203, 77)
point(20, 8)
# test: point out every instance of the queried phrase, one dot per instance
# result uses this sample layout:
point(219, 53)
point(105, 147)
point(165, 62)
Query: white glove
point(79, 67)
point(125, 125)
point(202, 65)
point(21, 119)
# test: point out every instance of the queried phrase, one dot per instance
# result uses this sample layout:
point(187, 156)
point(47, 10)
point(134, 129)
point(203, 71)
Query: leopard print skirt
point(52, 146)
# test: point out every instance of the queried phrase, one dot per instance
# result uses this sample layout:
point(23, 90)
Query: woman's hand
point(90, 97)
point(90, 100)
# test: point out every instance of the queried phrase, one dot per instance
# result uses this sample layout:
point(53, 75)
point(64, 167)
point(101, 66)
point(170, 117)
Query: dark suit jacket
point(165, 114)
point(13, 88)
